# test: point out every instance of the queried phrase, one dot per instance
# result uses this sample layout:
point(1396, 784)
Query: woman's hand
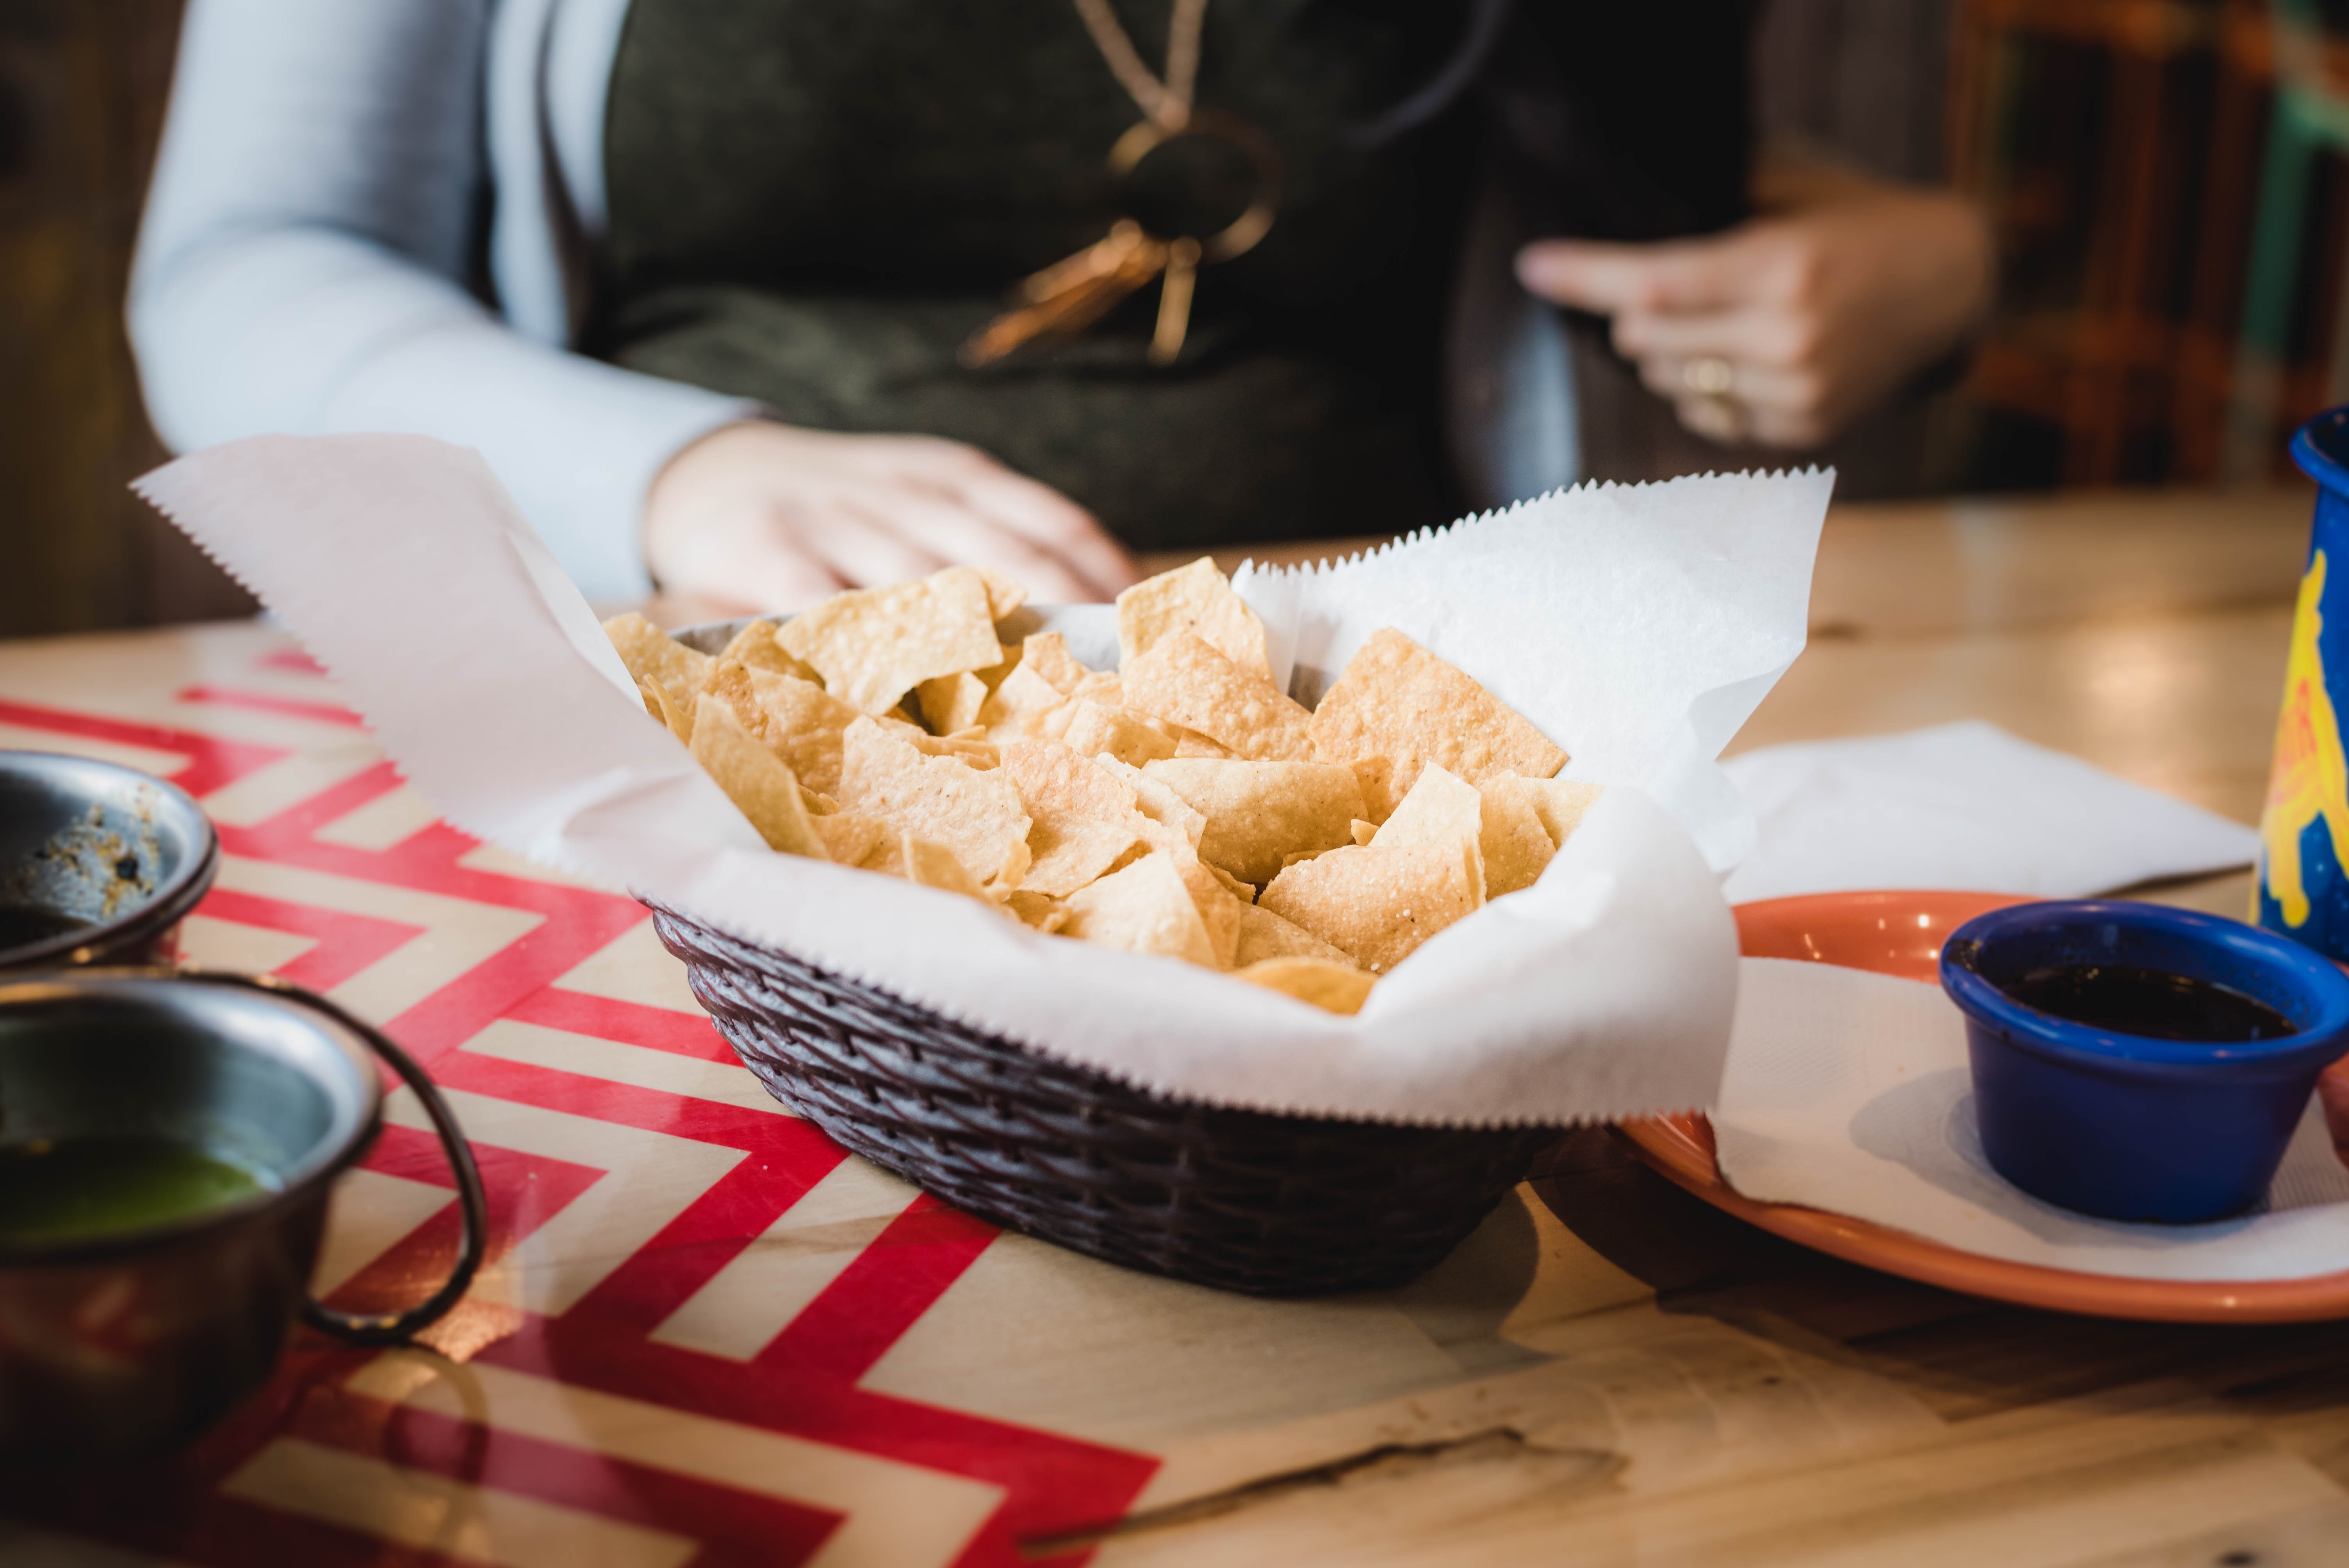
point(1789, 326)
point(760, 517)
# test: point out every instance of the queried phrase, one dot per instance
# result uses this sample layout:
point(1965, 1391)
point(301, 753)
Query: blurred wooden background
point(2169, 181)
point(2167, 177)
point(82, 84)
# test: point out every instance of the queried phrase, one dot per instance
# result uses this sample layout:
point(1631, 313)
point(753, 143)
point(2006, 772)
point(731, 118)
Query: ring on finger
point(1708, 375)
point(1717, 417)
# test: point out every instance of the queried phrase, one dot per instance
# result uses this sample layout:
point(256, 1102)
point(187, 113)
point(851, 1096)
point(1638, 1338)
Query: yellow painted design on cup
point(2310, 778)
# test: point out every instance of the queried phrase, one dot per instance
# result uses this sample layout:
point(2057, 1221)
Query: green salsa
point(76, 1189)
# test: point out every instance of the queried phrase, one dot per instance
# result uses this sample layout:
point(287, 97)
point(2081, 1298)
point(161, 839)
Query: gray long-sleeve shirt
point(316, 213)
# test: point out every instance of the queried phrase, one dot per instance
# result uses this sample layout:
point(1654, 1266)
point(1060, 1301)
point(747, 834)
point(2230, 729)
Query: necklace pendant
point(1175, 300)
point(1068, 296)
point(1096, 260)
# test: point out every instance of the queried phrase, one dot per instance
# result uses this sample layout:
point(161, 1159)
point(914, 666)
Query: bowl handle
point(385, 1328)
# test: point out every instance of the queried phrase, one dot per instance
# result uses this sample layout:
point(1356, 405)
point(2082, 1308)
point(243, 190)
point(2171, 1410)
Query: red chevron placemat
point(663, 1362)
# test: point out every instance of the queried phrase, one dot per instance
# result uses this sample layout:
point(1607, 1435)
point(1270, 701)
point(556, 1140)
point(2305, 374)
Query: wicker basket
point(1274, 1205)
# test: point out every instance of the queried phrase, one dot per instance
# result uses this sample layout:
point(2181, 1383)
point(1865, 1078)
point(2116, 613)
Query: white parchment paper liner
point(1635, 626)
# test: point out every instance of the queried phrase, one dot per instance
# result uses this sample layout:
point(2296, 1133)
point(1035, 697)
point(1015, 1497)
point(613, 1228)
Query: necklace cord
point(1071, 294)
point(1478, 40)
point(1168, 103)
point(1183, 52)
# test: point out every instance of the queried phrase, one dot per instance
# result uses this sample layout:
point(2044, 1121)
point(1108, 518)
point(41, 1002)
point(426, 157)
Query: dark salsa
point(23, 925)
point(2150, 1003)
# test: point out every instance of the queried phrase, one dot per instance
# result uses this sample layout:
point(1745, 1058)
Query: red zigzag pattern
point(804, 1384)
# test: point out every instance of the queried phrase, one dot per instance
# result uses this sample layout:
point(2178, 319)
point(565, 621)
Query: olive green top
point(814, 202)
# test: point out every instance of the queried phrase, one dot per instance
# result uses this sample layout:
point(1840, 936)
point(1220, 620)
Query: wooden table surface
point(1607, 1373)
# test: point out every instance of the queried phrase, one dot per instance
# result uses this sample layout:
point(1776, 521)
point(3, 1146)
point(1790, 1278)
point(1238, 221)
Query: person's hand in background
point(1789, 326)
point(761, 517)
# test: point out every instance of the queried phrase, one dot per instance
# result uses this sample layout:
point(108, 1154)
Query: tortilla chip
point(951, 701)
point(1004, 594)
point(1441, 809)
point(1197, 599)
point(1396, 699)
point(1101, 686)
point(976, 753)
point(1034, 909)
point(1515, 844)
point(1016, 709)
point(1364, 831)
point(1082, 817)
point(975, 814)
point(798, 721)
point(1223, 903)
point(1103, 691)
point(1376, 775)
point(1259, 812)
point(1157, 801)
point(662, 706)
point(1242, 890)
point(817, 804)
point(900, 854)
point(1377, 905)
point(1264, 934)
point(1561, 804)
point(850, 838)
point(934, 865)
point(1170, 826)
point(1047, 653)
point(1186, 681)
point(876, 645)
point(1006, 660)
point(1332, 987)
point(1190, 743)
point(1097, 731)
point(754, 779)
point(654, 658)
point(755, 646)
point(1142, 909)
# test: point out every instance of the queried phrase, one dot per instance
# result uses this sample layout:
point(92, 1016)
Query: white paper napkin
point(1849, 1091)
point(1652, 617)
point(1966, 806)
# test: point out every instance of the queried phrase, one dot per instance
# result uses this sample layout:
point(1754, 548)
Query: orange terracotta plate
point(1901, 934)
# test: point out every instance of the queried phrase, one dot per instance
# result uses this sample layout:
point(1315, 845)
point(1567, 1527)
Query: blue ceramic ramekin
point(2122, 1126)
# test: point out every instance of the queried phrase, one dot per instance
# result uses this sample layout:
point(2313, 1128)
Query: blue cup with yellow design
point(2303, 883)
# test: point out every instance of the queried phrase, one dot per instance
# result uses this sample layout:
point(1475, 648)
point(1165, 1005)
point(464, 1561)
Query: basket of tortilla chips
point(1177, 804)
